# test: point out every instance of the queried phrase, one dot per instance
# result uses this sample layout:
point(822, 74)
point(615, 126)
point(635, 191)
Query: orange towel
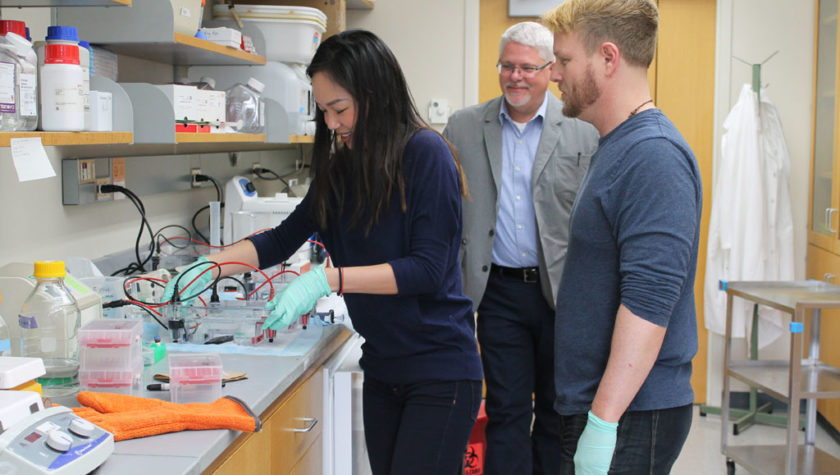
point(130, 417)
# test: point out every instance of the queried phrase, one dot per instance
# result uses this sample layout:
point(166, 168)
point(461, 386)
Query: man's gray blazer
point(566, 145)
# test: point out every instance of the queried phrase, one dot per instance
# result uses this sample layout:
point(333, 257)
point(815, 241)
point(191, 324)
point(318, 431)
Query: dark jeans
point(420, 428)
point(648, 441)
point(516, 334)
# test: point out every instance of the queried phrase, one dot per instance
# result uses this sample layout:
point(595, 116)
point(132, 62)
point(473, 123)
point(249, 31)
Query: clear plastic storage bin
point(195, 377)
point(111, 356)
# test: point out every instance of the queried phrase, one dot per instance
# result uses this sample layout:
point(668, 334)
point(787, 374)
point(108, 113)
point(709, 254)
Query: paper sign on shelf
point(30, 159)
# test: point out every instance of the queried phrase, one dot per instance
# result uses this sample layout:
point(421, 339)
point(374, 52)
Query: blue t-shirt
point(634, 235)
point(427, 331)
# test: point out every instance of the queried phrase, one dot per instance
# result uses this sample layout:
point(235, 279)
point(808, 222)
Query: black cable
point(122, 303)
point(260, 170)
point(177, 298)
point(219, 197)
point(128, 292)
point(159, 234)
point(195, 226)
point(143, 223)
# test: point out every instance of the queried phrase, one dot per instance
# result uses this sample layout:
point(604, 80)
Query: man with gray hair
point(524, 161)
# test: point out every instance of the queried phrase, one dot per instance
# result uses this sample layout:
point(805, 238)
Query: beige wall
point(436, 43)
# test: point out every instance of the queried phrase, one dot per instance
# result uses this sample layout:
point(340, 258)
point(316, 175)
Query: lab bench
point(287, 392)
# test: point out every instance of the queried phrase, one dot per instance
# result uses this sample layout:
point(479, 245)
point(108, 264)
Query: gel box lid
point(195, 366)
point(111, 333)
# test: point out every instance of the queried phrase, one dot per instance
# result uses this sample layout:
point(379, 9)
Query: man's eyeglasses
point(526, 70)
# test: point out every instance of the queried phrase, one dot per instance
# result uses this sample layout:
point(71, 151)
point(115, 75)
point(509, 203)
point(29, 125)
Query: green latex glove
point(184, 278)
point(595, 447)
point(296, 299)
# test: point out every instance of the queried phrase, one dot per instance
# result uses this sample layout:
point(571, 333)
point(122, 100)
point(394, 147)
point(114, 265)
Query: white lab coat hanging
point(751, 228)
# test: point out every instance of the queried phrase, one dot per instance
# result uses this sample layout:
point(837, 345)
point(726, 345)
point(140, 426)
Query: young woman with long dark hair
point(386, 201)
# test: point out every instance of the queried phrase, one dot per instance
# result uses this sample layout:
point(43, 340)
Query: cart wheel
point(702, 414)
point(730, 467)
point(735, 430)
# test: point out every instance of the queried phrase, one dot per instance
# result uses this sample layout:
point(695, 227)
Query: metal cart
point(788, 381)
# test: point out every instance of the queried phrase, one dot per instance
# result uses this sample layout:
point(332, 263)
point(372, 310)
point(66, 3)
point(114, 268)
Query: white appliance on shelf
point(345, 452)
point(247, 213)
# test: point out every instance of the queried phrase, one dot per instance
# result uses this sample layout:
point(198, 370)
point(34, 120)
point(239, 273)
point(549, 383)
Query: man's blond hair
point(630, 24)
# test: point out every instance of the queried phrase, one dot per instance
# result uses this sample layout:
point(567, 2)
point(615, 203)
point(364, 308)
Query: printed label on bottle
point(27, 322)
point(262, 114)
point(28, 94)
point(68, 98)
point(7, 88)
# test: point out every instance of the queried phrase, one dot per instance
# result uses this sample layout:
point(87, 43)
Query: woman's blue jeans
point(648, 443)
point(419, 428)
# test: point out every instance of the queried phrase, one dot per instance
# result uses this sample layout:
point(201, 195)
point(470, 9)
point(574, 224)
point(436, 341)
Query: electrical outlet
point(254, 167)
point(103, 196)
point(193, 172)
point(292, 182)
point(298, 164)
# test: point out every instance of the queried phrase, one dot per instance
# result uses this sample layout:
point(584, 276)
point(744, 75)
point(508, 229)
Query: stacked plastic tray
point(111, 356)
point(195, 377)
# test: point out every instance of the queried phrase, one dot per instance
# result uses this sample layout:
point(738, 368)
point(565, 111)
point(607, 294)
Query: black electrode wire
point(177, 298)
point(127, 290)
point(144, 223)
point(121, 303)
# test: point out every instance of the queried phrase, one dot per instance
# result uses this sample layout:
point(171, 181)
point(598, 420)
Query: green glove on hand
point(595, 447)
point(184, 278)
point(296, 299)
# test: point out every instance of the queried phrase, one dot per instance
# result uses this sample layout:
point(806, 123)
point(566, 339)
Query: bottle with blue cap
point(49, 322)
point(84, 62)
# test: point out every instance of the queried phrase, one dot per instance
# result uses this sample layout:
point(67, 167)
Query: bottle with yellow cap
point(5, 339)
point(49, 329)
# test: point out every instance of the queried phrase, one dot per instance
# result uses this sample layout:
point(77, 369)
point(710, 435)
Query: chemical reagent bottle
point(49, 323)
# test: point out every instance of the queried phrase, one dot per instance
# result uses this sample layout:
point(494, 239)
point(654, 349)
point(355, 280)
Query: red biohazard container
point(474, 456)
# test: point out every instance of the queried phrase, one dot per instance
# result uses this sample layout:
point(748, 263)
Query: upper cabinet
point(65, 3)
point(824, 220)
point(147, 30)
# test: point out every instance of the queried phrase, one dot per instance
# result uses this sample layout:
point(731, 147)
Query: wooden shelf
point(147, 31)
point(360, 4)
point(70, 138)
point(65, 3)
point(301, 139)
point(187, 50)
point(187, 137)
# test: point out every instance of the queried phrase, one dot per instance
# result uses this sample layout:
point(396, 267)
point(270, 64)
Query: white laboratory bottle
point(9, 97)
point(244, 107)
point(27, 81)
point(49, 323)
point(5, 337)
point(84, 62)
point(62, 102)
point(56, 35)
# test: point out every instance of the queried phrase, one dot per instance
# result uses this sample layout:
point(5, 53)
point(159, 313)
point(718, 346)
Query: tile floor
point(701, 454)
